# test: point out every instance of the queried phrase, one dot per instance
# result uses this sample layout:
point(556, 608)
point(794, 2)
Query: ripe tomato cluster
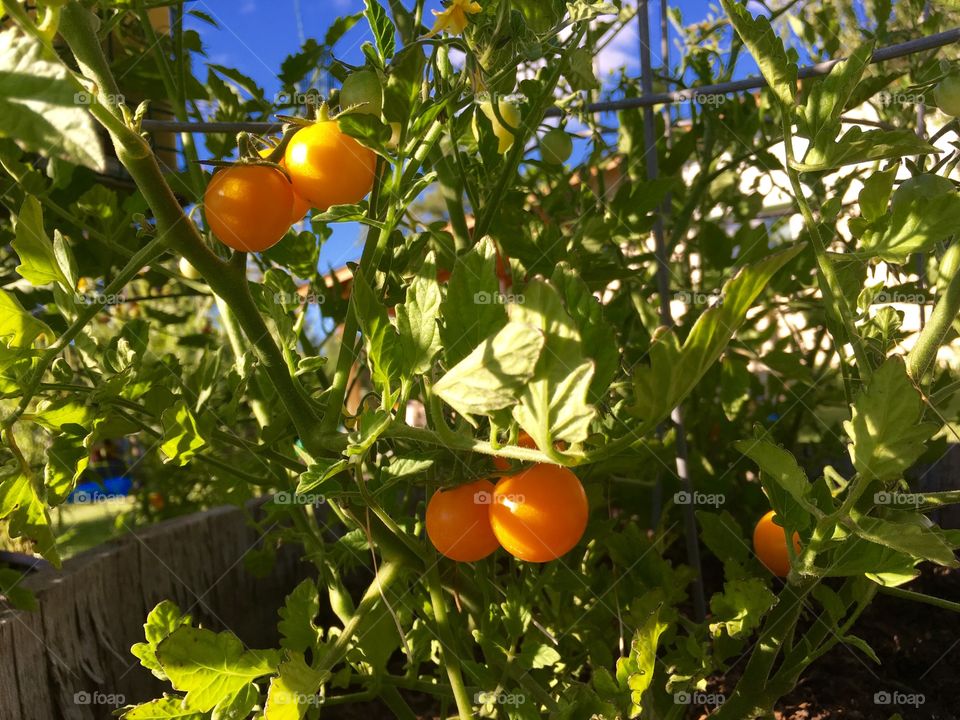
point(537, 515)
point(770, 545)
point(249, 207)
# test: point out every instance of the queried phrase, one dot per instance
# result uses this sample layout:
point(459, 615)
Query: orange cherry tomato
point(770, 545)
point(248, 207)
point(523, 440)
point(458, 524)
point(300, 206)
point(540, 513)
point(157, 501)
point(328, 167)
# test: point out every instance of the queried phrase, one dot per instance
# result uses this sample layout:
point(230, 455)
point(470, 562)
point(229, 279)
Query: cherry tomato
point(510, 111)
point(523, 440)
point(157, 501)
point(947, 95)
point(770, 545)
point(328, 167)
point(248, 207)
point(540, 513)
point(300, 206)
point(362, 93)
point(458, 524)
point(188, 270)
point(556, 147)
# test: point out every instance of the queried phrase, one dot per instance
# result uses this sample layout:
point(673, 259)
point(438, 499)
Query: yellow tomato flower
point(454, 18)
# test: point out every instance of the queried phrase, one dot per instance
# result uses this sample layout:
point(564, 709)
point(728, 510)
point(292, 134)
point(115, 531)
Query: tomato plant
point(725, 305)
point(947, 95)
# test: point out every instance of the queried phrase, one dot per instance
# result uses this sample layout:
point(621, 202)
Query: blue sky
point(256, 35)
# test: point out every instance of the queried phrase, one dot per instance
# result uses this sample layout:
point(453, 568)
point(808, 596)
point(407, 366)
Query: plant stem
point(78, 29)
point(920, 597)
point(921, 357)
point(389, 571)
point(833, 296)
point(450, 660)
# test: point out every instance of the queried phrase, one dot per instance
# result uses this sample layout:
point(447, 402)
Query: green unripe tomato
point(510, 112)
point(188, 270)
point(555, 147)
point(362, 93)
point(947, 95)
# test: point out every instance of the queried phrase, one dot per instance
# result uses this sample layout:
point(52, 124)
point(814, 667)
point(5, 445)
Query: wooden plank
point(9, 690)
point(32, 661)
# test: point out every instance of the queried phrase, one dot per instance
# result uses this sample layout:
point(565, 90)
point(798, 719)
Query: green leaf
point(829, 97)
point(298, 631)
point(162, 620)
point(380, 337)
point(553, 405)
point(318, 472)
point(885, 428)
point(23, 506)
point(913, 539)
point(384, 34)
point(924, 211)
point(181, 434)
point(19, 325)
point(166, 708)
point(13, 592)
point(635, 671)
point(740, 608)
point(65, 260)
point(535, 655)
point(418, 318)
point(856, 146)
point(211, 667)
point(767, 49)
point(38, 261)
point(41, 107)
point(875, 195)
point(289, 694)
point(781, 467)
point(473, 309)
point(492, 376)
point(598, 338)
point(239, 706)
point(673, 371)
point(862, 646)
point(722, 535)
point(67, 459)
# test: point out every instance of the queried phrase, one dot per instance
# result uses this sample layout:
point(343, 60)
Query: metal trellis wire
point(647, 99)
